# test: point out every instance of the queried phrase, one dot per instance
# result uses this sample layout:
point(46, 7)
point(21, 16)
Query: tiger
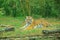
point(35, 23)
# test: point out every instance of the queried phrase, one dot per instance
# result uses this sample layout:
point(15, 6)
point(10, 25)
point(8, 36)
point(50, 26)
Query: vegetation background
point(40, 8)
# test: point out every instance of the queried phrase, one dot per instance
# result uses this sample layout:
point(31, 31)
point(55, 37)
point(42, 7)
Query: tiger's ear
point(31, 17)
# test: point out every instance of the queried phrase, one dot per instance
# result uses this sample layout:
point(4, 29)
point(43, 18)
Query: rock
point(51, 31)
point(9, 29)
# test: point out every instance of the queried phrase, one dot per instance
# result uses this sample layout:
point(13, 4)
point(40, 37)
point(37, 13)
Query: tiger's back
point(36, 22)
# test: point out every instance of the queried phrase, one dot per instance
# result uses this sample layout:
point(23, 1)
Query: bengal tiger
point(35, 23)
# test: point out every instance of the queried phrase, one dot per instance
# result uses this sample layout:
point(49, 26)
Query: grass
point(18, 22)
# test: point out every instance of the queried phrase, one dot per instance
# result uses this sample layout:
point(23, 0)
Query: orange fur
point(36, 22)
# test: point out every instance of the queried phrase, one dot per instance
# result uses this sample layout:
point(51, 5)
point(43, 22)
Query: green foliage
point(44, 8)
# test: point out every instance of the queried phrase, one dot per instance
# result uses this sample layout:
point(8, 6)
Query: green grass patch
point(18, 22)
